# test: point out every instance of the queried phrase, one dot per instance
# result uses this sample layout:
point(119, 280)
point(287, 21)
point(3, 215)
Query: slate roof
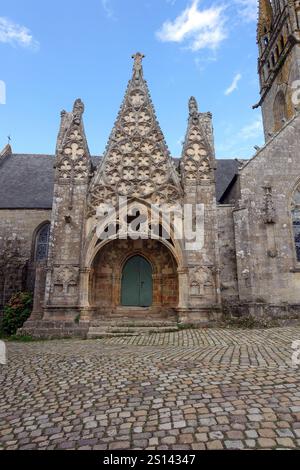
point(225, 172)
point(26, 180)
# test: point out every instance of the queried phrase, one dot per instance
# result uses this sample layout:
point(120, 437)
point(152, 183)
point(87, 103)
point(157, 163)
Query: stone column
point(84, 287)
point(39, 291)
point(183, 284)
point(84, 303)
point(116, 290)
point(157, 290)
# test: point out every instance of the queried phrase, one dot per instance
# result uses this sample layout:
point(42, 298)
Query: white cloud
point(233, 85)
point(106, 4)
point(240, 142)
point(200, 28)
point(2, 92)
point(252, 130)
point(16, 35)
point(247, 9)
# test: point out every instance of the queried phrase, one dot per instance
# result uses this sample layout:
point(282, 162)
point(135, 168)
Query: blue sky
point(54, 52)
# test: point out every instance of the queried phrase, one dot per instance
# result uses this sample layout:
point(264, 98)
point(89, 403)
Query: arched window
point(42, 242)
point(280, 111)
point(296, 221)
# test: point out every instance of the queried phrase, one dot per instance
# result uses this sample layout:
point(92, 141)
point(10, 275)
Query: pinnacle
point(137, 161)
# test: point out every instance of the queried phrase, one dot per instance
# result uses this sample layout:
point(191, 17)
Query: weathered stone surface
point(246, 264)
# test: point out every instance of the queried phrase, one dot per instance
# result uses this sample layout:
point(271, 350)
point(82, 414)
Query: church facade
point(62, 217)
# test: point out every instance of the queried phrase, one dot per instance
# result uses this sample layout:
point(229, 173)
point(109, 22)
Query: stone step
point(105, 334)
point(142, 319)
point(132, 323)
point(142, 313)
point(129, 328)
point(133, 329)
point(143, 329)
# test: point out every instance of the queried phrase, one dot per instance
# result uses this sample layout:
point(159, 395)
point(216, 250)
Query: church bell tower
point(278, 38)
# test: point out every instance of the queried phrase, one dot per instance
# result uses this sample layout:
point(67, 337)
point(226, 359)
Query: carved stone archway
point(106, 275)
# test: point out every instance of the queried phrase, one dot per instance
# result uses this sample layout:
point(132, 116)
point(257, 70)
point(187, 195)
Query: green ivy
point(16, 312)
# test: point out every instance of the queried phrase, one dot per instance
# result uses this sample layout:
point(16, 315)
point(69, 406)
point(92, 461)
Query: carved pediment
point(137, 162)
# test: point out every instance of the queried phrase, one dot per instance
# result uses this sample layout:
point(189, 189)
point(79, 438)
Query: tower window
point(266, 40)
point(279, 110)
point(273, 60)
point(281, 42)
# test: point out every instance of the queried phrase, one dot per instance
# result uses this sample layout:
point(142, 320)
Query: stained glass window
point(296, 221)
point(42, 243)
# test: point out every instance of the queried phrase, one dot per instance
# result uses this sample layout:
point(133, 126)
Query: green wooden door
point(137, 283)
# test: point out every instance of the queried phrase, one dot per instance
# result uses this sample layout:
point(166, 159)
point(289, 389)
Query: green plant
point(16, 312)
point(22, 338)
point(77, 319)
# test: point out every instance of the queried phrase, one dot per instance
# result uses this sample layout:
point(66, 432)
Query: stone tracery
point(137, 162)
point(196, 157)
point(73, 160)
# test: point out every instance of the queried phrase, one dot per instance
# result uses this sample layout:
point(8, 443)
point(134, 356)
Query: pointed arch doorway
point(137, 289)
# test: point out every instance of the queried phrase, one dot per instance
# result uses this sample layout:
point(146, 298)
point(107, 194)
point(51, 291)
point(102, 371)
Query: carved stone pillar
point(116, 290)
point(84, 287)
point(39, 291)
point(183, 284)
point(157, 290)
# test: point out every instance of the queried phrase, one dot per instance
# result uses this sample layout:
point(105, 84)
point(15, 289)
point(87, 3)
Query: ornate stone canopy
point(136, 162)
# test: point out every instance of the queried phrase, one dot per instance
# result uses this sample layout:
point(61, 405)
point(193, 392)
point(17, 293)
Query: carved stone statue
point(78, 111)
point(193, 107)
point(137, 66)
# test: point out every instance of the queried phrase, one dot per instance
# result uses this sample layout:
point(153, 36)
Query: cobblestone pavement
point(196, 389)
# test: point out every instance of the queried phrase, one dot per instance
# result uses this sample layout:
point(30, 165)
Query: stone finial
point(193, 110)
point(193, 105)
point(78, 110)
point(137, 66)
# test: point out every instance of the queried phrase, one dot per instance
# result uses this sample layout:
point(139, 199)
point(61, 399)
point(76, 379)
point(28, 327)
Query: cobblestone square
point(193, 389)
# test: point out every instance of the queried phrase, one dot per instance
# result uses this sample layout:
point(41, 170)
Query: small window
point(42, 242)
point(273, 60)
point(279, 110)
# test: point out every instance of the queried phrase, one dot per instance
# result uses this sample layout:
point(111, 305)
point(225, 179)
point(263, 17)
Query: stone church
point(249, 261)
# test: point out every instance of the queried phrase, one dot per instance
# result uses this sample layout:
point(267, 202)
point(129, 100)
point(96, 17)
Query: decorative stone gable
point(197, 157)
point(73, 161)
point(136, 162)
